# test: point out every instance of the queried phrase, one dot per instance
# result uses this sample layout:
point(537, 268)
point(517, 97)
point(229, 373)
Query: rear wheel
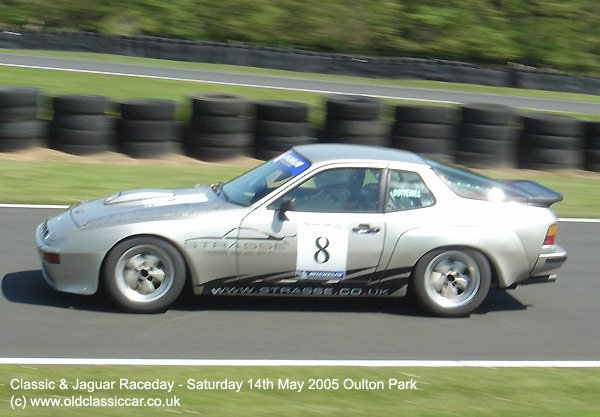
point(144, 274)
point(451, 282)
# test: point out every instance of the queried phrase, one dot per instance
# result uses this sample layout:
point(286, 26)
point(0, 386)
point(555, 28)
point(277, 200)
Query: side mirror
point(287, 204)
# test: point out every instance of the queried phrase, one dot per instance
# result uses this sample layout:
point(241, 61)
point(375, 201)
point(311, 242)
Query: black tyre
point(489, 114)
point(144, 149)
point(82, 121)
point(214, 153)
point(79, 104)
point(220, 124)
point(495, 132)
point(451, 282)
point(423, 146)
point(424, 114)
point(497, 148)
point(482, 160)
point(12, 144)
point(550, 159)
point(281, 143)
point(220, 139)
point(221, 104)
point(17, 114)
point(592, 160)
point(266, 154)
point(280, 129)
point(79, 150)
point(552, 124)
point(424, 130)
point(148, 109)
point(355, 127)
point(79, 136)
point(145, 130)
point(534, 140)
point(25, 129)
point(592, 142)
point(592, 129)
point(380, 140)
point(144, 274)
point(285, 111)
point(18, 96)
point(352, 107)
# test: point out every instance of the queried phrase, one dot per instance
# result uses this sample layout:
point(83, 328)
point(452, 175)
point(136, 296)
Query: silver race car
point(319, 220)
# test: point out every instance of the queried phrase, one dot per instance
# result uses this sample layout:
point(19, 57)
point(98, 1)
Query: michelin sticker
point(322, 251)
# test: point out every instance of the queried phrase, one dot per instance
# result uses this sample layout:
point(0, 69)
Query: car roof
point(333, 152)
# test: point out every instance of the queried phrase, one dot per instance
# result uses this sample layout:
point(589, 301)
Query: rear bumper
point(551, 258)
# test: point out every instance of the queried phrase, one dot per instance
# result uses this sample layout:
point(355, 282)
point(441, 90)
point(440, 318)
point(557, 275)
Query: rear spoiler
point(534, 194)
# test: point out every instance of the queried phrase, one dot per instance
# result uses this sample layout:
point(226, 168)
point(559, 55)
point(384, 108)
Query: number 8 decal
point(321, 256)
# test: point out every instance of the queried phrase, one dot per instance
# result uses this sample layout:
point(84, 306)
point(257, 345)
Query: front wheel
point(144, 274)
point(451, 282)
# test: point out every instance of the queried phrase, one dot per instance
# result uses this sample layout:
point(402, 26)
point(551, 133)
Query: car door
point(328, 242)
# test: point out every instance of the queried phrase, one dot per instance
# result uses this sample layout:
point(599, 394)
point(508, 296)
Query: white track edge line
point(305, 90)
point(312, 363)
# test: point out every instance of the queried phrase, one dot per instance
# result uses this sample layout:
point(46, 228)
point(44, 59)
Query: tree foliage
point(564, 34)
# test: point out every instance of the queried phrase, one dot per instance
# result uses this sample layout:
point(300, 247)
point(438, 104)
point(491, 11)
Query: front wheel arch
point(469, 274)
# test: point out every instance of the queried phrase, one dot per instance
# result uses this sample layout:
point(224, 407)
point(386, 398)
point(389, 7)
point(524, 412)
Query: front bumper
point(76, 273)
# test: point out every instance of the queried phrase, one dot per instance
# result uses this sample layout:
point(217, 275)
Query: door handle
point(362, 229)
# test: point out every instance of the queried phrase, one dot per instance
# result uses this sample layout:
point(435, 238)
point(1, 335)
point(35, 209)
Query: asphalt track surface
point(329, 87)
point(540, 322)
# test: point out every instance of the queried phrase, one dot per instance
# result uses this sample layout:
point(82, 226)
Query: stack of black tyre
point(19, 128)
point(354, 120)
point(486, 136)
point(146, 128)
point(426, 130)
point(592, 146)
point(220, 127)
point(280, 125)
point(550, 142)
point(80, 125)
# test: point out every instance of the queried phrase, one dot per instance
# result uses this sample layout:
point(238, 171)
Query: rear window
point(468, 184)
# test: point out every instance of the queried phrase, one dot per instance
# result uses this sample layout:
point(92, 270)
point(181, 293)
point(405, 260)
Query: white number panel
point(322, 251)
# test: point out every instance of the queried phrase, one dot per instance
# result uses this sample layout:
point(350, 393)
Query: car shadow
point(29, 287)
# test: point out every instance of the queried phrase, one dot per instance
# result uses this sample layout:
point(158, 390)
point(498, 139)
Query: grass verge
point(51, 182)
point(465, 392)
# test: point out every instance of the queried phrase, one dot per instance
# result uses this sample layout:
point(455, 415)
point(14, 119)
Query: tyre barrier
point(79, 125)
point(219, 127)
point(280, 125)
point(19, 128)
point(486, 136)
point(426, 130)
point(550, 142)
point(592, 147)
point(354, 120)
point(146, 127)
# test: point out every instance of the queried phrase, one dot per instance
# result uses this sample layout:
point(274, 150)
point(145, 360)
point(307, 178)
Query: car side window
point(406, 190)
point(339, 190)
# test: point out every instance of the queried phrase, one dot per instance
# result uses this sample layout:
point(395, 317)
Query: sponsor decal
point(289, 290)
point(292, 162)
point(405, 192)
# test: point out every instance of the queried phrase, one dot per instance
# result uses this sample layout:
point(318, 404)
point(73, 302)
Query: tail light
point(550, 235)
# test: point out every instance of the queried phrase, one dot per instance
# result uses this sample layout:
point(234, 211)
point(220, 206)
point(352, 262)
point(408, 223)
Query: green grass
point(464, 392)
point(434, 85)
point(68, 182)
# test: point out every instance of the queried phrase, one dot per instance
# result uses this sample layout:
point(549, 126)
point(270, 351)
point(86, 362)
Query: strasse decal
point(324, 291)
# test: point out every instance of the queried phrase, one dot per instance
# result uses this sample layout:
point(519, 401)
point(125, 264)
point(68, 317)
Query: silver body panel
point(232, 249)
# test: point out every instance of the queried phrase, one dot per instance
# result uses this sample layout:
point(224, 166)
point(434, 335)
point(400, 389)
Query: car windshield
point(468, 184)
point(254, 185)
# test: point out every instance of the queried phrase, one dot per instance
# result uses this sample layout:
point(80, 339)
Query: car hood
point(146, 205)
